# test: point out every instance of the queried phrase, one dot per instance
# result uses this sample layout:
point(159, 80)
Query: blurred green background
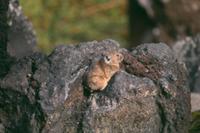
point(73, 21)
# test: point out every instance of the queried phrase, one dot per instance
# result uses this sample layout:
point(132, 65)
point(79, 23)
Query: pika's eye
point(107, 59)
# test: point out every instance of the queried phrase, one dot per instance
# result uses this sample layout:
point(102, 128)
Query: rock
point(188, 52)
point(195, 98)
point(21, 35)
point(20, 111)
point(48, 93)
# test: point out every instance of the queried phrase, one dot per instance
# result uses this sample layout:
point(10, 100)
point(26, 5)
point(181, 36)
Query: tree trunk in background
point(131, 15)
point(140, 25)
point(4, 61)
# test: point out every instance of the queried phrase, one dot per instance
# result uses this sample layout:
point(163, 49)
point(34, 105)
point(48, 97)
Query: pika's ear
point(120, 57)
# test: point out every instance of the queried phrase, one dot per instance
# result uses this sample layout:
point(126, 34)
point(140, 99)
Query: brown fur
point(101, 71)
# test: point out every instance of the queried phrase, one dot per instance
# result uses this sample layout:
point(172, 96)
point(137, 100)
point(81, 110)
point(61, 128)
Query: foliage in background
point(73, 21)
point(195, 123)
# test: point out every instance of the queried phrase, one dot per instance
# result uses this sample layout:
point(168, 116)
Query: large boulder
point(188, 52)
point(48, 93)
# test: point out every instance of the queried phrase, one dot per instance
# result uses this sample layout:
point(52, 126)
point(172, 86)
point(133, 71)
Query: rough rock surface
point(188, 51)
point(21, 35)
point(48, 93)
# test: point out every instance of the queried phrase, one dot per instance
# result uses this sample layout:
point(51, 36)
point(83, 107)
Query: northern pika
point(101, 71)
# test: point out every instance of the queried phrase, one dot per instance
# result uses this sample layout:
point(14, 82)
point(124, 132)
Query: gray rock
point(188, 52)
point(21, 35)
point(127, 105)
point(195, 98)
point(48, 93)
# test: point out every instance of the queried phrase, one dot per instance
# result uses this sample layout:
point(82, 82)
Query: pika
point(101, 70)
